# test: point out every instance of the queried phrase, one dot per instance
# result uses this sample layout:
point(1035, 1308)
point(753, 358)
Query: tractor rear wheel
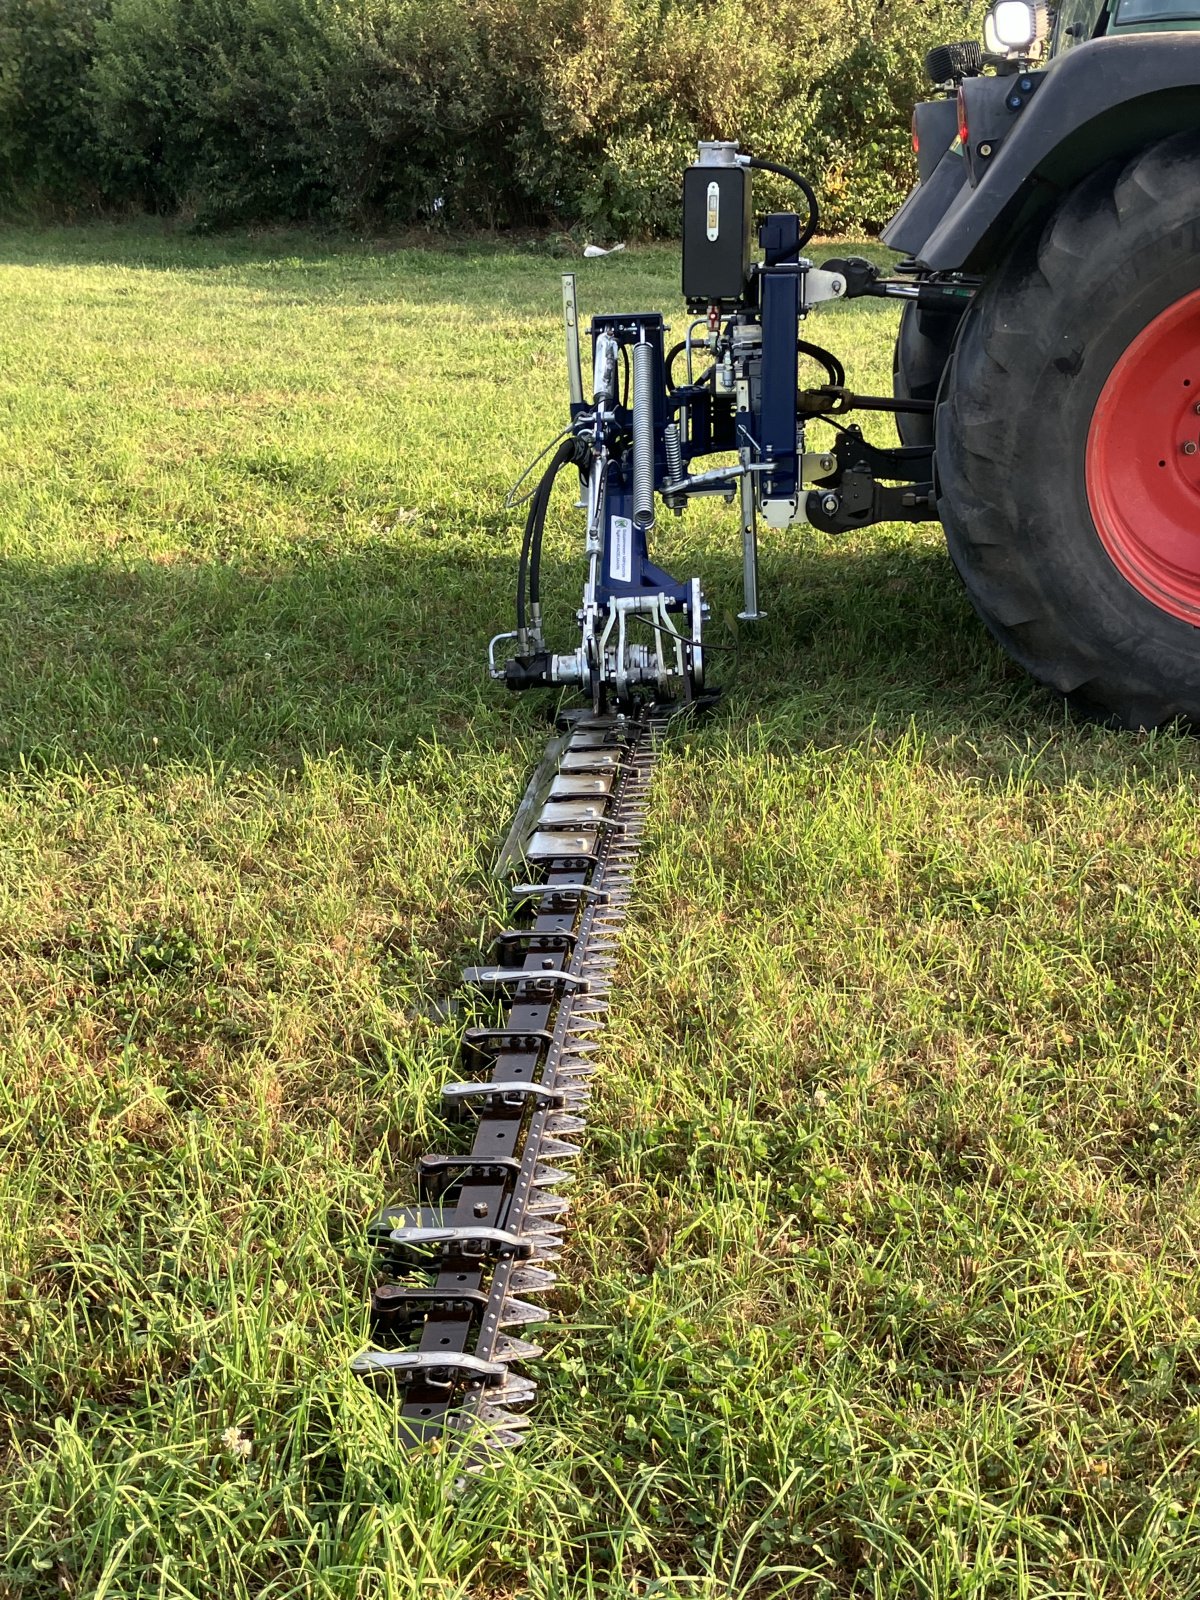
point(1068, 445)
point(923, 342)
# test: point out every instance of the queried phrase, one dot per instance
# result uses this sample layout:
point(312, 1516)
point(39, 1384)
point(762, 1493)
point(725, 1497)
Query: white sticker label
point(714, 210)
point(620, 549)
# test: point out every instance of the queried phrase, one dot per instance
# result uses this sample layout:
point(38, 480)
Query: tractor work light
point(1015, 26)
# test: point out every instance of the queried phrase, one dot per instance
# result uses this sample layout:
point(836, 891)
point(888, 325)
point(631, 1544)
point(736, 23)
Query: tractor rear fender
point(935, 124)
point(1100, 101)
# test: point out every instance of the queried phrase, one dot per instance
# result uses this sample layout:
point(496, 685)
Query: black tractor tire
point(1036, 350)
point(923, 343)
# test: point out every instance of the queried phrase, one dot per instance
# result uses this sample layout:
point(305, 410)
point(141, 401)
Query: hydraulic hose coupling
point(643, 434)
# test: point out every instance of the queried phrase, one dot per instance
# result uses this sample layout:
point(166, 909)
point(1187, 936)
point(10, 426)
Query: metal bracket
point(853, 497)
point(437, 1367)
point(528, 941)
point(457, 1094)
point(437, 1173)
point(522, 893)
point(399, 1306)
point(859, 501)
point(470, 1240)
point(480, 1046)
point(493, 978)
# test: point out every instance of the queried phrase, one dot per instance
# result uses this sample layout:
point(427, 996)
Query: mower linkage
point(852, 496)
point(462, 1261)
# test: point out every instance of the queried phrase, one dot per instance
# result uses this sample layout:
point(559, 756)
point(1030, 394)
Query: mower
point(1047, 377)
point(1047, 400)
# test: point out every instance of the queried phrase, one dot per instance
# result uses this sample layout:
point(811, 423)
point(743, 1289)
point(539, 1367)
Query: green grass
point(883, 1270)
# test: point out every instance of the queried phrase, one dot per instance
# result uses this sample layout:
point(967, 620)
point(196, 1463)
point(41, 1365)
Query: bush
point(48, 151)
point(826, 85)
point(195, 103)
point(436, 110)
point(468, 111)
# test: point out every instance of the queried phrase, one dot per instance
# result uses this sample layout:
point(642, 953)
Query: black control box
point(717, 235)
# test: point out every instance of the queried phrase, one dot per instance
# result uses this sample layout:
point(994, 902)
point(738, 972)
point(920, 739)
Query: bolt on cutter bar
point(639, 440)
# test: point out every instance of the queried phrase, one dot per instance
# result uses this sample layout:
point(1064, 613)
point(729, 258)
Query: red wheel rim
point(1143, 461)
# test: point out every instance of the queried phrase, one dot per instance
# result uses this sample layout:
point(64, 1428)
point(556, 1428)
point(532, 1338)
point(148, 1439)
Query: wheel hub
point(1143, 461)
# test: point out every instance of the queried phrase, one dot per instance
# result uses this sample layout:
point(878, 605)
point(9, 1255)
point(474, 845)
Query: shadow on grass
point(878, 640)
point(114, 665)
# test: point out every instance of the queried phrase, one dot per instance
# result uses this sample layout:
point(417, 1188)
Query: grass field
point(883, 1273)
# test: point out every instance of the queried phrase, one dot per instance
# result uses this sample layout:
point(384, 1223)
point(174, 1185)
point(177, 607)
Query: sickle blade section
point(487, 1222)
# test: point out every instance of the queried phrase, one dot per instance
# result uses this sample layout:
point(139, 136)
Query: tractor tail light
point(963, 128)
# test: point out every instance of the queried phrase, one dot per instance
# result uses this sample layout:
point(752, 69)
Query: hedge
point(567, 113)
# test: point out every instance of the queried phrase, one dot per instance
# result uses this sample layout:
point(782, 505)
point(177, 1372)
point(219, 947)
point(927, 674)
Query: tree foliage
point(488, 112)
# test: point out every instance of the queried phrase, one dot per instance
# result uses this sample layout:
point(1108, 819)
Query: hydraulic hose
point(673, 354)
point(805, 188)
point(570, 452)
point(834, 369)
point(534, 519)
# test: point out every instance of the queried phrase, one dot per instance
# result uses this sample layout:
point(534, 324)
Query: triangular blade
point(559, 1122)
point(552, 1177)
point(532, 1280)
point(510, 1349)
point(517, 1313)
point(494, 1416)
point(558, 1149)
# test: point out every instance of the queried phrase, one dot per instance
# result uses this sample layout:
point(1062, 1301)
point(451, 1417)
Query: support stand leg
point(750, 612)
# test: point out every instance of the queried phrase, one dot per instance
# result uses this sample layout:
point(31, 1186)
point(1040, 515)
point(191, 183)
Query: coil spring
point(674, 452)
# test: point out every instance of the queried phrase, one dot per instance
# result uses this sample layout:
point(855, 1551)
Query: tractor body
point(1106, 99)
point(1060, 178)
